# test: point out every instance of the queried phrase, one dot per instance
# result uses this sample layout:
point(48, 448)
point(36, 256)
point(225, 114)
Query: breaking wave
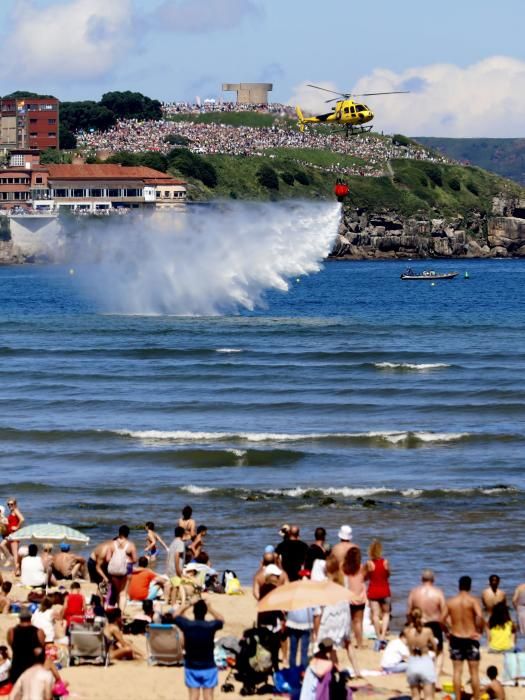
point(407, 366)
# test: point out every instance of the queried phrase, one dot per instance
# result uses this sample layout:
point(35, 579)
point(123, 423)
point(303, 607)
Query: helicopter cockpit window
point(352, 109)
point(360, 108)
point(346, 110)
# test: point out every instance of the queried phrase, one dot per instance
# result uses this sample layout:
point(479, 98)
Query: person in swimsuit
point(187, 523)
point(152, 539)
point(421, 674)
point(378, 573)
point(15, 520)
point(492, 595)
point(518, 601)
point(120, 557)
point(466, 624)
point(354, 579)
point(119, 647)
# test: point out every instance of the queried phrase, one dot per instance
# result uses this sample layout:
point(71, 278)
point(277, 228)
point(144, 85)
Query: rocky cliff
point(387, 234)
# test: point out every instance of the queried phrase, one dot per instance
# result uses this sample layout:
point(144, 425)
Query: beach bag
point(233, 587)
point(226, 575)
point(261, 661)
point(513, 666)
point(118, 564)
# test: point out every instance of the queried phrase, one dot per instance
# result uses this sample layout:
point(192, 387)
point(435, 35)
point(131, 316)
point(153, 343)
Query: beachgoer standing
point(152, 539)
point(187, 523)
point(492, 595)
point(15, 520)
point(421, 674)
point(378, 573)
point(97, 564)
point(431, 601)
point(293, 553)
point(120, 557)
point(466, 625)
point(318, 549)
point(518, 601)
point(354, 579)
point(345, 543)
point(200, 671)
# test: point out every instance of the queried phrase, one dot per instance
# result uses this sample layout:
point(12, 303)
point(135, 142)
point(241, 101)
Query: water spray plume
point(207, 261)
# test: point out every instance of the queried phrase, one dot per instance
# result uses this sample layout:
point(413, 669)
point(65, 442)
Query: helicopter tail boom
point(300, 117)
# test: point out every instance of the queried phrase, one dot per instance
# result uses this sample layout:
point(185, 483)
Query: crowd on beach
point(132, 591)
point(213, 138)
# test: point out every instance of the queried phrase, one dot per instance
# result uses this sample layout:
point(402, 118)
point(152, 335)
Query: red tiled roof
point(163, 181)
point(103, 171)
point(14, 188)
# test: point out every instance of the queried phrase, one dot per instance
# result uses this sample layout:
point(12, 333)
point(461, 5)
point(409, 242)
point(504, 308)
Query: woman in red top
point(15, 520)
point(378, 573)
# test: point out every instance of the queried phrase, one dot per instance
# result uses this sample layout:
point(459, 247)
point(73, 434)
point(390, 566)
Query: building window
point(157, 193)
point(113, 193)
point(33, 134)
point(132, 193)
point(39, 180)
point(78, 193)
point(33, 121)
point(59, 193)
point(96, 193)
point(166, 194)
point(50, 121)
point(52, 134)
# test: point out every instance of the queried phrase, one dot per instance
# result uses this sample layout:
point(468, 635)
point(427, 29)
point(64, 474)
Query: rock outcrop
point(10, 254)
point(387, 234)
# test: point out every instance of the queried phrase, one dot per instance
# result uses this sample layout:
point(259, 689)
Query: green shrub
point(267, 177)
point(400, 140)
point(302, 178)
point(433, 171)
point(473, 188)
point(177, 140)
point(454, 184)
point(193, 165)
point(288, 178)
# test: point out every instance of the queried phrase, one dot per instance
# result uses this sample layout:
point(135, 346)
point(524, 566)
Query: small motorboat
point(428, 275)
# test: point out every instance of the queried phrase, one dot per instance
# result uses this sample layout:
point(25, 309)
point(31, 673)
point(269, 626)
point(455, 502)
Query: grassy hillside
point(415, 187)
point(503, 156)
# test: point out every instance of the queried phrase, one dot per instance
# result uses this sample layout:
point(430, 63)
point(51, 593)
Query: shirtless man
point(97, 564)
point(66, 565)
point(431, 601)
point(492, 595)
point(466, 625)
point(345, 543)
point(269, 559)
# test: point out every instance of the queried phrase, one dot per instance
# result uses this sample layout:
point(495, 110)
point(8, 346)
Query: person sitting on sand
point(395, 655)
point(494, 689)
point(502, 630)
point(319, 670)
point(492, 595)
point(44, 619)
point(67, 565)
point(5, 665)
point(119, 647)
point(74, 604)
point(32, 570)
point(190, 583)
point(145, 583)
point(5, 601)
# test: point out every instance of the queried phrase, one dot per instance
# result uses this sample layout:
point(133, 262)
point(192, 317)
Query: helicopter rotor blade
point(393, 92)
point(334, 92)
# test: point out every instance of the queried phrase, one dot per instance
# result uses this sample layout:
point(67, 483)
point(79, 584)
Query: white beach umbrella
point(49, 532)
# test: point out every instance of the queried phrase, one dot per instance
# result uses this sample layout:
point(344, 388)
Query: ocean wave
point(422, 367)
point(228, 350)
point(373, 438)
point(349, 493)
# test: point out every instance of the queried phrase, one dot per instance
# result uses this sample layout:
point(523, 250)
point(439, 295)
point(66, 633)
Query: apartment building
point(29, 123)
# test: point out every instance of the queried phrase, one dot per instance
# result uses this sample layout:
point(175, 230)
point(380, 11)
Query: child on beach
point(5, 601)
point(494, 689)
point(5, 665)
point(152, 539)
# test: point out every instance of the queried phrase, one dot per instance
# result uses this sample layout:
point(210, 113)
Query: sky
point(462, 60)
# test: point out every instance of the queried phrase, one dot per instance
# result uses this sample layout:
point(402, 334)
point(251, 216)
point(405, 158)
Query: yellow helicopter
point(352, 115)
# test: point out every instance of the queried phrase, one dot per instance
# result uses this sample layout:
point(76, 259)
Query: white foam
point(411, 366)
point(345, 491)
point(412, 493)
point(228, 350)
point(196, 490)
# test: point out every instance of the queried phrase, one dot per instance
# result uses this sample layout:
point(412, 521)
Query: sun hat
point(272, 570)
point(345, 533)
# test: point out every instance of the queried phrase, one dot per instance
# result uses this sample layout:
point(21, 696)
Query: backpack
point(118, 564)
point(261, 661)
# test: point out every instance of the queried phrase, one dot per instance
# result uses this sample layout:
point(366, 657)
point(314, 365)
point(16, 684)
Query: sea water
point(351, 397)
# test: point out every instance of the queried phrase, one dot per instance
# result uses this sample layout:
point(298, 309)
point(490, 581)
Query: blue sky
point(178, 49)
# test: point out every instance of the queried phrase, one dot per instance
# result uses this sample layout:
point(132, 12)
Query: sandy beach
point(135, 679)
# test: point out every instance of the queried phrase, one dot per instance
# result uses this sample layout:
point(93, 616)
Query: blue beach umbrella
point(49, 532)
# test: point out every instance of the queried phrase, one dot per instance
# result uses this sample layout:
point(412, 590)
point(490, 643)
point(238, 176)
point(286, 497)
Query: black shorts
point(357, 607)
point(437, 631)
point(464, 649)
point(94, 576)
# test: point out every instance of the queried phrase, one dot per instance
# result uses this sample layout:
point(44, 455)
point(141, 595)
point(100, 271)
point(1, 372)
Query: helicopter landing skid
point(356, 130)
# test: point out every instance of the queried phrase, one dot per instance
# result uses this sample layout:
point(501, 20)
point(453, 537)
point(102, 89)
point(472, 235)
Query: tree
point(267, 177)
point(193, 165)
point(155, 160)
point(302, 177)
point(131, 105)
point(177, 140)
point(288, 177)
point(68, 140)
point(454, 184)
point(53, 156)
point(84, 116)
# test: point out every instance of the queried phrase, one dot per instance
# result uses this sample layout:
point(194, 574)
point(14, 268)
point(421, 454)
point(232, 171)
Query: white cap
point(345, 533)
point(272, 570)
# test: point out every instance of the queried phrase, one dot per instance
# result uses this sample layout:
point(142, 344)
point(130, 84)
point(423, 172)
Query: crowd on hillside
point(139, 136)
point(210, 105)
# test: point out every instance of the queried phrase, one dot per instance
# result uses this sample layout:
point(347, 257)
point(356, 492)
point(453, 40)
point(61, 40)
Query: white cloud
point(78, 40)
point(311, 100)
point(196, 16)
point(484, 99)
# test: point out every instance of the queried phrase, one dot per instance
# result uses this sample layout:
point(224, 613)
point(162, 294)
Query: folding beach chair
point(87, 643)
point(164, 645)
